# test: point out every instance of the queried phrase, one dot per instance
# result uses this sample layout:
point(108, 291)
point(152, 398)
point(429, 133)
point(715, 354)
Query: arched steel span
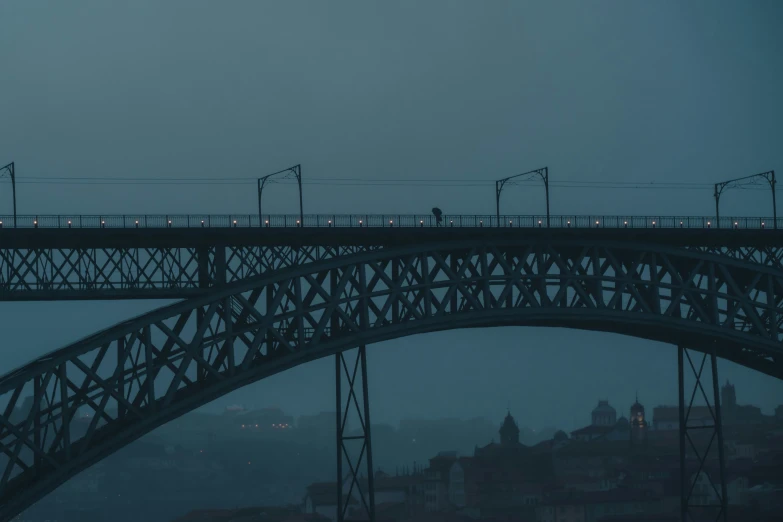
point(146, 371)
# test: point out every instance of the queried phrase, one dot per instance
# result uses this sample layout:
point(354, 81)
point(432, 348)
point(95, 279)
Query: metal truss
point(353, 448)
point(176, 264)
point(695, 507)
point(97, 395)
point(144, 272)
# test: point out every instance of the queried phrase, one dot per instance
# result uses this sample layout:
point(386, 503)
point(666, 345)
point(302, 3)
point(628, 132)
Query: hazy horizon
point(642, 92)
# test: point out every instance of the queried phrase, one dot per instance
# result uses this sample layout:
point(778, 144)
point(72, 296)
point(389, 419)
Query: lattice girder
point(141, 373)
point(176, 264)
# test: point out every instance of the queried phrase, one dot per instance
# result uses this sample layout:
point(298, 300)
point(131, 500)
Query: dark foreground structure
point(259, 300)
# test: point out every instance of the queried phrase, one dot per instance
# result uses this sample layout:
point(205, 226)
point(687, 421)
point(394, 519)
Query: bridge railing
point(380, 220)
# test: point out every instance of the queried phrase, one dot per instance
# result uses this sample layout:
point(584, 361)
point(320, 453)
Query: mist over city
point(514, 261)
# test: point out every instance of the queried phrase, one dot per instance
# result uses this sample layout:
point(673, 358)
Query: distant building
point(733, 413)
point(265, 419)
point(638, 422)
point(604, 414)
point(667, 418)
point(604, 423)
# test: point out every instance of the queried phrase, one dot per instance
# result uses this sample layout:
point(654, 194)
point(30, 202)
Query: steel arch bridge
point(146, 371)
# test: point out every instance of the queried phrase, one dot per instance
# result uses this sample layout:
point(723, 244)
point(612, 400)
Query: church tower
point(509, 432)
point(728, 396)
point(638, 422)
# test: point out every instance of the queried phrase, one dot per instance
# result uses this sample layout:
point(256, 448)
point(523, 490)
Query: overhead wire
point(384, 182)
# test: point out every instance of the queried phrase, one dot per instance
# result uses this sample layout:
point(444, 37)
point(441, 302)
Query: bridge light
point(568, 224)
point(297, 222)
point(625, 224)
point(481, 223)
point(1, 224)
point(169, 223)
point(539, 222)
point(680, 224)
point(596, 224)
point(762, 225)
point(266, 222)
point(735, 224)
point(202, 223)
point(653, 224)
point(360, 222)
point(235, 223)
point(35, 223)
point(708, 224)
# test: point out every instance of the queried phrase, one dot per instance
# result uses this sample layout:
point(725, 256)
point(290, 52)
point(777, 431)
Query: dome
point(603, 407)
point(560, 436)
point(622, 424)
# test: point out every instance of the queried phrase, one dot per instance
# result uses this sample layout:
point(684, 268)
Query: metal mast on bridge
point(542, 172)
point(296, 170)
point(749, 180)
point(10, 169)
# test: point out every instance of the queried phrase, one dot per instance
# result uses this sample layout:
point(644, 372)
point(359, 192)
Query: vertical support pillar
point(696, 509)
point(352, 491)
point(684, 491)
point(719, 432)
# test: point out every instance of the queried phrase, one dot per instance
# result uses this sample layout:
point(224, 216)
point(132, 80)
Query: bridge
point(262, 294)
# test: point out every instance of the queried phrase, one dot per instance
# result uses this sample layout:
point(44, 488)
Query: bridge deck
point(345, 236)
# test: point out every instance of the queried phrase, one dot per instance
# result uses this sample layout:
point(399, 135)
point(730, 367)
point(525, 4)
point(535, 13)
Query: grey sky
point(630, 91)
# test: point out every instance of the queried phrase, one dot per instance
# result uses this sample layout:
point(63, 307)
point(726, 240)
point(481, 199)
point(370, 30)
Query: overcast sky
point(612, 91)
